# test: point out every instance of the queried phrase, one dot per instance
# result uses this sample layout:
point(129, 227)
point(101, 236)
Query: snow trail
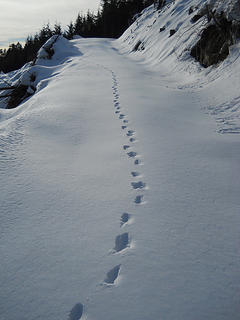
point(76, 235)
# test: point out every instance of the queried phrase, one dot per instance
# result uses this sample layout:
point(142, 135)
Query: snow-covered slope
point(35, 75)
point(171, 55)
point(119, 197)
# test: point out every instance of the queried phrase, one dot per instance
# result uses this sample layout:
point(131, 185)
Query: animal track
point(138, 185)
point(121, 242)
point(112, 275)
point(139, 199)
point(130, 133)
point(135, 173)
point(76, 312)
point(132, 154)
point(124, 218)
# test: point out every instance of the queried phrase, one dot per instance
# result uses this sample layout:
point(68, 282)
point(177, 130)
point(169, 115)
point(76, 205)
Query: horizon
point(30, 16)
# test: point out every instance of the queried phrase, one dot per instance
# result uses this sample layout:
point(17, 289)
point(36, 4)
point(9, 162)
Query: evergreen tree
point(111, 20)
point(57, 29)
point(78, 25)
point(70, 31)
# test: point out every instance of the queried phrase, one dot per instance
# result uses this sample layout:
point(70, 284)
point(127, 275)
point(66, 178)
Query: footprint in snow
point(121, 116)
point(76, 312)
point(121, 242)
point(130, 133)
point(138, 185)
point(125, 147)
point(112, 275)
point(124, 219)
point(137, 162)
point(132, 140)
point(124, 127)
point(135, 173)
point(139, 199)
point(132, 154)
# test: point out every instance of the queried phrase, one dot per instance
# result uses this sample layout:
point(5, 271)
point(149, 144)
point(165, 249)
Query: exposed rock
point(190, 11)
point(139, 46)
point(196, 18)
point(162, 29)
point(172, 32)
point(216, 38)
point(17, 95)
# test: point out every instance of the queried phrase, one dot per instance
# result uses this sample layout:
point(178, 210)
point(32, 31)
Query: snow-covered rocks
point(203, 29)
point(27, 80)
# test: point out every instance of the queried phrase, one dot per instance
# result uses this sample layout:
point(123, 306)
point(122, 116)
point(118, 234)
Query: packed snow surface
point(119, 190)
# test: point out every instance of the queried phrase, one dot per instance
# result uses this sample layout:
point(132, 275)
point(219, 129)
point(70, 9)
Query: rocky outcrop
point(216, 38)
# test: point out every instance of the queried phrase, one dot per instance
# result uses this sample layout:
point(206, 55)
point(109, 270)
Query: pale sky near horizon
point(20, 18)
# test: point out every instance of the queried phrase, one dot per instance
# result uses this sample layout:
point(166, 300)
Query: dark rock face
point(213, 46)
point(196, 18)
point(17, 96)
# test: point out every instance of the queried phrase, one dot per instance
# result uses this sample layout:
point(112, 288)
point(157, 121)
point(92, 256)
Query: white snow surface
point(119, 182)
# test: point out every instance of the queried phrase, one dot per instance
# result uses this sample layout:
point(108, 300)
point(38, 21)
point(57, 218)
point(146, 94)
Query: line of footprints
point(122, 241)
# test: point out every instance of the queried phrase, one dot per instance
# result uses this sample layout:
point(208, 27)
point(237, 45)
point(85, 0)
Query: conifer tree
point(70, 31)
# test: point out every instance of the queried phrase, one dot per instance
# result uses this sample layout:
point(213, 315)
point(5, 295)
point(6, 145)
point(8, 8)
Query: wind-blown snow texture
point(119, 196)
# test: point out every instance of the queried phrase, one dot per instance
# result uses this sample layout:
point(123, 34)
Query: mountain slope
point(171, 55)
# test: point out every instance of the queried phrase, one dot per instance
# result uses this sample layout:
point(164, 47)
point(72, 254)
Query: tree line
point(111, 20)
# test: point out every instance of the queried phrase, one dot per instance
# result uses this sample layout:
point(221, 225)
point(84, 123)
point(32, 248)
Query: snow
point(119, 183)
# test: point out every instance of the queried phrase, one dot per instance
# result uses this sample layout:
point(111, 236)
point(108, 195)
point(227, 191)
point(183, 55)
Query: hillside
point(119, 178)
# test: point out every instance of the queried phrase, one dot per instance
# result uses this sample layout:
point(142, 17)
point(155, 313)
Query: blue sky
point(19, 18)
